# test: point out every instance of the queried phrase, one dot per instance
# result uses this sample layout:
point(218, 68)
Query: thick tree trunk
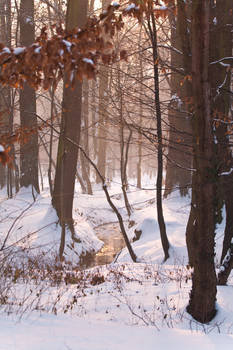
point(27, 99)
point(203, 294)
point(179, 157)
point(221, 81)
point(67, 155)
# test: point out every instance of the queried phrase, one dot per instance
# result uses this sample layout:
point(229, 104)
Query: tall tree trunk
point(85, 166)
point(103, 102)
point(53, 111)
point(27, 99)
point(221, 84)
point(179, 157)
point(203, 294)
point(5, 92)
point(102, 131)
point(3, 105)
point(94, 119)
point(153, 37)
point(139, 163)
point(67, 155)
point(124, 146)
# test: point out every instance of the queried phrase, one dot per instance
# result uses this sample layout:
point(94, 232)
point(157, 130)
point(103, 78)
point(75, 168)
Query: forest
point(116, 174)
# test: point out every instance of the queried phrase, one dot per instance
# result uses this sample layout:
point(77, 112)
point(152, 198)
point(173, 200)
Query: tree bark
point(85, 166)
point(114, 208)
point(220, 83)
point(29, 149)
point(203, 294)
point(226, 266)
point(67, 155)
point(6, 116)
point(124, 146)
point(102, 131)
point(139, 162)
point(153, 37)
point(103, 103)
point(179, 157)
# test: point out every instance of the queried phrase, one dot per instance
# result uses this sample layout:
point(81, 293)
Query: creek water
point(111, 235)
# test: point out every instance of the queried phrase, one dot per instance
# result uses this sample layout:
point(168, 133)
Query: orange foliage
point(4, 156)
point(74, 54)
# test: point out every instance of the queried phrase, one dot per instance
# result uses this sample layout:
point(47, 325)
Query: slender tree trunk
point(139, 164)
point(123, 163)
point(80, 180)
point(85, 175)
point(162, 226)
point(103, 105)
point(50, 153)
point(114, 208)
point(28, 150)
point(3, 105)
point(67, 155)
point(228, 234)
point(85, 139)
point(94, 119)
point(203, 294)
point(226, 266)
point(5, 92)
point(102, 131)
point(124, 147)
point(12, 172)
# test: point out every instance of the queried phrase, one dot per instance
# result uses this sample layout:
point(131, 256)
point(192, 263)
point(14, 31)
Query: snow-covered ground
point(117, 306)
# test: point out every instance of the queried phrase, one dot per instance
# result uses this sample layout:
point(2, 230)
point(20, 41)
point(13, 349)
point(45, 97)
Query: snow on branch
point(226, 266)
point(74, 53)
point(221, 61)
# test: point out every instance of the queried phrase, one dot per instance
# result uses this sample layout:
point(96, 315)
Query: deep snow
point(135, 305)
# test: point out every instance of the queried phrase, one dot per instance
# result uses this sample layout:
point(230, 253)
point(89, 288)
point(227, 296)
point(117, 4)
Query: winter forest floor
point(46, 305)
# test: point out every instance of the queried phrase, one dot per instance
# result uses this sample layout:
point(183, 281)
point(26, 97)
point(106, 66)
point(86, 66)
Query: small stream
point(111, 235)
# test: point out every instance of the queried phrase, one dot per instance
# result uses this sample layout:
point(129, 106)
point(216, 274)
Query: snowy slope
point(111, 307)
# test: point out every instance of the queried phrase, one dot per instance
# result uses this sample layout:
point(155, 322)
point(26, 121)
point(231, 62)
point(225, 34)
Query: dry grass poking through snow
point(134, 294)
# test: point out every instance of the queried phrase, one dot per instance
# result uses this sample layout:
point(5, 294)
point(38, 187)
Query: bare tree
point(28, 119)
point(179, 157)
point(6, 115)
point(203, 294)
point(70, 128)
point(152, 29)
